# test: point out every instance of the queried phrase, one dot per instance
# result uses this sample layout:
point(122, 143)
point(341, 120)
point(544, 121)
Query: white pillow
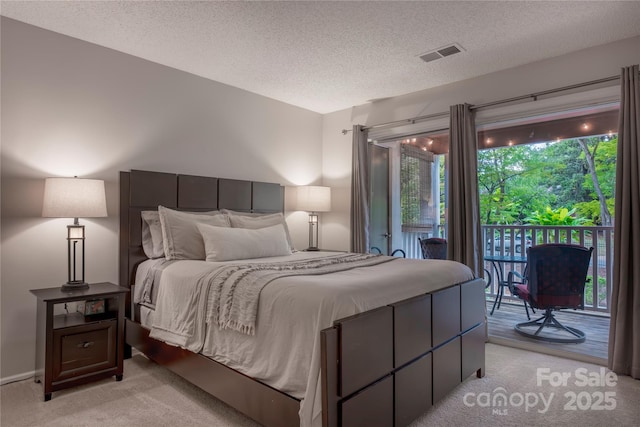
point(226, 244)
point(258, 220)
point(152, 234)
point(180, 236)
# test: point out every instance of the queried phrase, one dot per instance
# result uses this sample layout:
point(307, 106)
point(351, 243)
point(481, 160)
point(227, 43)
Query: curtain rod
point(534, 96)
point(401, 122)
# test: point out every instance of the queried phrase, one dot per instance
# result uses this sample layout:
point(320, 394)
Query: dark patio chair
point(433, 248)
point(515, 279)
point(554, 279)
point(436, 248)
point(376, 250)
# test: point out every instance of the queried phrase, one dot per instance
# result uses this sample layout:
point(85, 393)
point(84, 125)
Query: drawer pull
point(85, 344)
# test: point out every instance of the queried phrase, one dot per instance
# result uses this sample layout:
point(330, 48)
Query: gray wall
point(73, 108)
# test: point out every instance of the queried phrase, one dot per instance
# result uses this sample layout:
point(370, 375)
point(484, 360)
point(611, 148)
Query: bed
point(382, 361)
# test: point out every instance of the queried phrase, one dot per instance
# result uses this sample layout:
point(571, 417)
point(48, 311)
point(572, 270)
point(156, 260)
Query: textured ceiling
point(327, 56)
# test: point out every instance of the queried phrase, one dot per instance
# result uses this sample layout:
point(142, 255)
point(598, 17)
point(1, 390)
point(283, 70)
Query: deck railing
point(598, 288)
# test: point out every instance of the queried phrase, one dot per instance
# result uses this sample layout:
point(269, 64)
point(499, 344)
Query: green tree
point(516, 182)
point(497, 167)
point(604, 157)
point(589, 148)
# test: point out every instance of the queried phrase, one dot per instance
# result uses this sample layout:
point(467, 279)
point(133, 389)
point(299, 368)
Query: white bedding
point(285, 350)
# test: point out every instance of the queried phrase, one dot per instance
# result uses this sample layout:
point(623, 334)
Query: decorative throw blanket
point(235, 289)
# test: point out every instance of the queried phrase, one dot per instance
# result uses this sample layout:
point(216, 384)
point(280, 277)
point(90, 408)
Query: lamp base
point(74, 286)
point(312, 249)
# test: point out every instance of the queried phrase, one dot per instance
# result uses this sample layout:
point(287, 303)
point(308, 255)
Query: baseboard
point(18, 377)
point(31, 374)
point(546, 350)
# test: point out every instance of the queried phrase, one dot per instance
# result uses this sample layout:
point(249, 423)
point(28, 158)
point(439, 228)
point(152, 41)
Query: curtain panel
point(464, 234)
point(624, 333)
point(360, 191)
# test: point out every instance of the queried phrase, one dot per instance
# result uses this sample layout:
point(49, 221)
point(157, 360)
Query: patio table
point(498, 262)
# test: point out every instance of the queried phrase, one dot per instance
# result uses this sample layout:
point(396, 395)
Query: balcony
point(597, 289)
point(593, 320)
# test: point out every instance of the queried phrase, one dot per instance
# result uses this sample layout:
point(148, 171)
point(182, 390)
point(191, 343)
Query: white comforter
point(285, 350)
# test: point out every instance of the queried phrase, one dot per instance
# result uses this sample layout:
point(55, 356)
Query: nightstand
point(74, 349)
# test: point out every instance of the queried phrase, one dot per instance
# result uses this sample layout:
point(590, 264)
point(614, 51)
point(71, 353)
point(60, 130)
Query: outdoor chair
point(554, 279)
point(515, 279)
point(433, 248)
point(396, 252)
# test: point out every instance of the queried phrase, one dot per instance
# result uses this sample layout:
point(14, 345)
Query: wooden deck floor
point(595, 327)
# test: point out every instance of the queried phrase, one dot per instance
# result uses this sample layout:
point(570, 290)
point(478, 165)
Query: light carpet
point(150, 395)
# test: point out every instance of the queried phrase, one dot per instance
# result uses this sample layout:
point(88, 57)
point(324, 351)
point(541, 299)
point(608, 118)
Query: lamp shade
point(313, 198)
point(74, 198)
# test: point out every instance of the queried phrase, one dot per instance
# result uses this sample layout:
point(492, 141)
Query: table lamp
point(313, 199)
point(74, 198)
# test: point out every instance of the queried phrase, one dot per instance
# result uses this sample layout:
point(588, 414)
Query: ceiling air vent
point(449, 50)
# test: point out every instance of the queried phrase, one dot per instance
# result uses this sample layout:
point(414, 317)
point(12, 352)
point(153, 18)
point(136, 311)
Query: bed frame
point(383, 367)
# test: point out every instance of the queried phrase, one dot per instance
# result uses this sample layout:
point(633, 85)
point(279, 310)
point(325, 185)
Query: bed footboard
point(386, 367)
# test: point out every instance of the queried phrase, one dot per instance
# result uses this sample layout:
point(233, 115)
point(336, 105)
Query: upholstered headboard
point(144, 190)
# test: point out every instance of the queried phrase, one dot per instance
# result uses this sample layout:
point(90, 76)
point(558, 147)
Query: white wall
point(336, 173)
point(577, 67)
point(74, 108)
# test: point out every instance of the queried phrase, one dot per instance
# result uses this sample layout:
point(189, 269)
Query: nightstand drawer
point(84, 349)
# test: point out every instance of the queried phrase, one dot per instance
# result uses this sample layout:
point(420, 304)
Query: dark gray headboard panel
point(149, 189)
point(197, 193)
point(144, 190)
point(267, 197)
point(235, 195)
